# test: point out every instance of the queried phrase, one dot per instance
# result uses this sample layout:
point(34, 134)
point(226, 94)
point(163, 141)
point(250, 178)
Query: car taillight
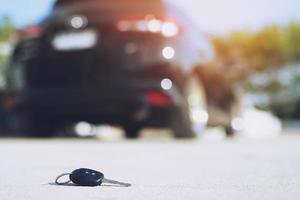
point(158, 98)
point(29, 32)
point(167, 27)
point(8, 102)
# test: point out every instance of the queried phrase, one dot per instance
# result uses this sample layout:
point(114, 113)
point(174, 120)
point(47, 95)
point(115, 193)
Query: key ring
point(60, 176)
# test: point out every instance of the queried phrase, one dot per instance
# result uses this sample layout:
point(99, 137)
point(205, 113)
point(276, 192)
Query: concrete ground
point(163, 168)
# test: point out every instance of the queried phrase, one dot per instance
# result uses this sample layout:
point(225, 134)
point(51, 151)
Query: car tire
point(196, 104)
point(132, 130)
point(181, 124)
point(229, 131)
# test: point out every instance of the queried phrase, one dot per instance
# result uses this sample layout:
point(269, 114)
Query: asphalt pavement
point(158, 168)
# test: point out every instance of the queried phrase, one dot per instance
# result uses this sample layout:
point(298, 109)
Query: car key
point(87, 177)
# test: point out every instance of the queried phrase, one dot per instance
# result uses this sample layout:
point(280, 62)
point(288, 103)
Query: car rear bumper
point(62, 100)
point(127, 99)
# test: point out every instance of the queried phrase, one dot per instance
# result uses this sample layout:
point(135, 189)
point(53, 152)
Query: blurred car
point(223, 99)
point(124, 62)
point(224, 112)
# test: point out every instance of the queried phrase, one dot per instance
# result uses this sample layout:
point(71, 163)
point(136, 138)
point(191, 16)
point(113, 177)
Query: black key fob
point(86, 177)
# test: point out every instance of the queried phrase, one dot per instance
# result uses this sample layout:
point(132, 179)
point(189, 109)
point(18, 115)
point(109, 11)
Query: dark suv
point(123, 62)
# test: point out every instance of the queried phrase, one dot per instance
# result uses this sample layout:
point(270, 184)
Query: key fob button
point(86, 177)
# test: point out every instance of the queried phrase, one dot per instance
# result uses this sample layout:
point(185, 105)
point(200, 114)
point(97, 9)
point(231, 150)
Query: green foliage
point(272, 47)
point(3, 62)
point(259, 50)
point(293, 34)
point(268, 51)
point(6, 29)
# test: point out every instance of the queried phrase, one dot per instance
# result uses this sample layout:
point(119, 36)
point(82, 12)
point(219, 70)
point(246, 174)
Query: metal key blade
point(105, 180)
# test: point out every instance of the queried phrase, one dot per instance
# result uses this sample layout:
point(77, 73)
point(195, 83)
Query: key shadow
point(67, 184)
point(74, 185)
point(108, 185)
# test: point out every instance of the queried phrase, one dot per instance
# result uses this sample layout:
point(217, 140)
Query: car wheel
point(132, 130)
point(195, 105)
point(229, 131)
point(181, 124)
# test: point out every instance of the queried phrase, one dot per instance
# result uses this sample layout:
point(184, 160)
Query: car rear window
point(106, 8)
point(64, 2)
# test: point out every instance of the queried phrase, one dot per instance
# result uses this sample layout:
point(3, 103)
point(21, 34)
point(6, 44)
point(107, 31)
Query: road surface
point(241, 168)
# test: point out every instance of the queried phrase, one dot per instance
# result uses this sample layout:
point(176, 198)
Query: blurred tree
point(244, 54)
point(293, 35)
point(6, 29)
point(269, 48)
